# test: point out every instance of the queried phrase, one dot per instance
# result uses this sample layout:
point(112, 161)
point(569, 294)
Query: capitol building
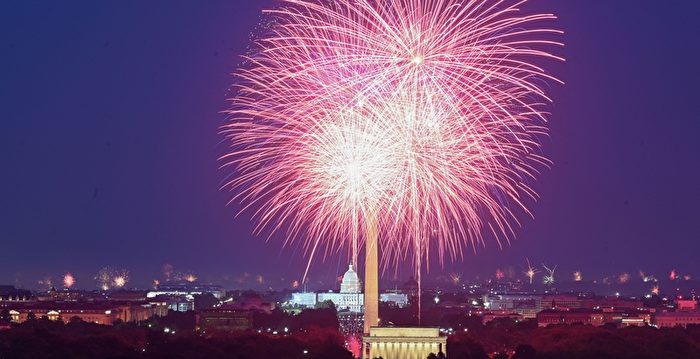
point(349, 298)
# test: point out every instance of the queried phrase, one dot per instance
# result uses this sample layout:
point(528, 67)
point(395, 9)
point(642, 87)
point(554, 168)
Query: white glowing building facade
point(349, 298)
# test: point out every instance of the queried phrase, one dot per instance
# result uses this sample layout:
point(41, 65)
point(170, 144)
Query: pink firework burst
point(420, 116)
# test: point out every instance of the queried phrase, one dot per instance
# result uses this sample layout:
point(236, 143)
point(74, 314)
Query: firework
point(120, 278)
point(167, 271)
point(108, 278)
point(549, 277)
point(655, 290)
point(421, 118)
point(578, 276)
point(68, 280)
point(455, 278)
point(531, 271)
point(500, 275)
point(190, 278)
point(623, 278)
point(647, 278)
point(104, 278)
point(46, 281)
point(673, 275)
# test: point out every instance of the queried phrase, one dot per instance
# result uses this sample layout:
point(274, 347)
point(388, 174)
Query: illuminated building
point(595, 317)
point(351, 282)
point(188, 290)
point(176, 303)
point(225, 318)
point(676, 319)
point(686, 305)
point(350, 296)
point(101, 313)
point(490, 316)
point(8, 293)
point(403, 343)
point(574, 316)
point(561, 301)
point(304, 299)
point(252, 303)
point(398, 299)
point(525, 304)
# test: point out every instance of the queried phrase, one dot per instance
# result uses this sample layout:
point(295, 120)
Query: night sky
point(109, 144)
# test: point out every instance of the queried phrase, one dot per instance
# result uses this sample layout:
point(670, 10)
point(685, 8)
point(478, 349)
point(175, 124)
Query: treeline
point(45, 339)
point(504, 339)
point(314, 334)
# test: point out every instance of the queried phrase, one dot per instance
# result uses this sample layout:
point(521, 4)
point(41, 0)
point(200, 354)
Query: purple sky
point(109, 143)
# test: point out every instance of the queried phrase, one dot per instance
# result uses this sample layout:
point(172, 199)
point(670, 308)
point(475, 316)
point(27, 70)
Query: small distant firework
point(156, 283)
point(167, 271)
point(530, 273)
point(68, 280)
point(295, 284)
point(120, 279)
point(46, 281)
point(687, 277)
point(259, 279)
point(108, 278)
point(655, 290)
point(499, 274)
point(548, 279)
point(623, 278)
point(180, 277)
point(606, 280)
point(455, 278)
point(673, 275)
point(646, 278)
point(578, 276)
point(104, 278)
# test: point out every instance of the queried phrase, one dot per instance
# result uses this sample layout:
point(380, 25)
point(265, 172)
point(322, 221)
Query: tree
point(524, 351)
point(326, 304)
point(205, 301)
point(5, 316)
point(432, 356)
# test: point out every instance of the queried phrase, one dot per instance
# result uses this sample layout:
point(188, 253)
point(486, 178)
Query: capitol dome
point(351, 282)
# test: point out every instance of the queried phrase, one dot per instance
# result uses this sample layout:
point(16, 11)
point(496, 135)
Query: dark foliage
point(45, 339)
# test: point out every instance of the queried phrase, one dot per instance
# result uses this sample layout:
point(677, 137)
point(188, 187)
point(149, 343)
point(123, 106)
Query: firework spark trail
point(421, 115)
point(549, 277)
point(530, 272)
